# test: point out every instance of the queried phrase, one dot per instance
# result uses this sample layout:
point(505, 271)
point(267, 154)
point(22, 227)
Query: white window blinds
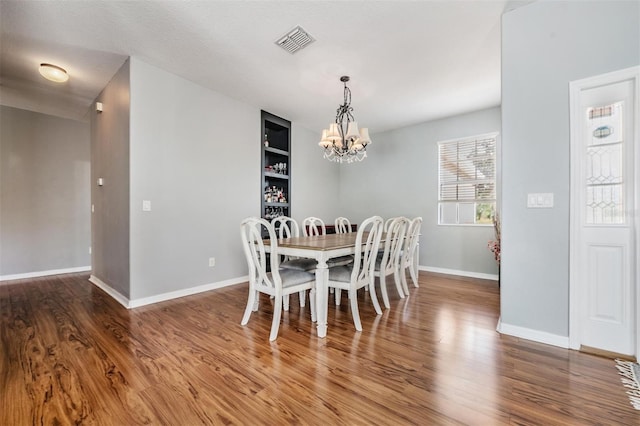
point(467, 179)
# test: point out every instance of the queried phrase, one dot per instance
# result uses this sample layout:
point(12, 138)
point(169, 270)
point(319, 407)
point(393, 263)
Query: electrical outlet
point(212, 262)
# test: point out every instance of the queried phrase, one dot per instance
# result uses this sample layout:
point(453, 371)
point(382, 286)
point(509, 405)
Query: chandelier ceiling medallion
point(342, 142)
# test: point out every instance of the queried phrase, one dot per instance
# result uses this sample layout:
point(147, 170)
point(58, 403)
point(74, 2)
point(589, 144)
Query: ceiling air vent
point(295, 40)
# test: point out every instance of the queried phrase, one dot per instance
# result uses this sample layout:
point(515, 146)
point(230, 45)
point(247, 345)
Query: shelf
point(276, 151)
point(277, 131)
point(276, 175)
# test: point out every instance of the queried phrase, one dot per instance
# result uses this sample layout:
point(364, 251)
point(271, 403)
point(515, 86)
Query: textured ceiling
point(409, 61)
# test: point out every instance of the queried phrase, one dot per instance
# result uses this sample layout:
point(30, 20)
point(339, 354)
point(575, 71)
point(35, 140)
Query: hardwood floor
point(70, 354)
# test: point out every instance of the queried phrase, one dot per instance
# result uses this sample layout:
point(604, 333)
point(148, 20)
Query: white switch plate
point(543, 200)
point(212, 262)
point(146, 205)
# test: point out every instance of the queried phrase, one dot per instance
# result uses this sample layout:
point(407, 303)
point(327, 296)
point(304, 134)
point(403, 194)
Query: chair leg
point(414, 275)
point(414, 266)
point(251, 301)
point(355, 313)
point(277, 313)
point(285, 302)
point(403, 274)
point(312, 301)
point(338, 295)
point(302, 294)
point(398, 281)
point(256, 303)
point(383, 290)
point(374, 297)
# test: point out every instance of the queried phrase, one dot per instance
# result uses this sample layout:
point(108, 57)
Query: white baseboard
point(186, 292)
point(446, 271)
point(45, 273)
point(534, 335)
point(135, 303)
point(119, 297)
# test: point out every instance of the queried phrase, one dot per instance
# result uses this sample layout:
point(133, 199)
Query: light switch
point(540, 200)
point(146, 205)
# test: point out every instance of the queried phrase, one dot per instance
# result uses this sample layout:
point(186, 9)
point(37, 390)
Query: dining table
point(321, 248)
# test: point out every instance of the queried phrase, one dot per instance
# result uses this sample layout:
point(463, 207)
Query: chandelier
point(342, 142)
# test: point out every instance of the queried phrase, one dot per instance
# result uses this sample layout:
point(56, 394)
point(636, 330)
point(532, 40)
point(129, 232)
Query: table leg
point(322, 296)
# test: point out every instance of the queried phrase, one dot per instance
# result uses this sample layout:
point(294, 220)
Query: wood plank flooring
point(69, 354)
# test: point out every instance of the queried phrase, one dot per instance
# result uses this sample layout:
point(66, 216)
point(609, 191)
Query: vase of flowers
point(494, 245)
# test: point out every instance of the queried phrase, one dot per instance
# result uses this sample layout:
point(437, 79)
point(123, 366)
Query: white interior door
point(604, 212)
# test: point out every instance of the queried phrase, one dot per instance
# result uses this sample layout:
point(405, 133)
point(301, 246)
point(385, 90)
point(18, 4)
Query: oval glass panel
point(602, 132)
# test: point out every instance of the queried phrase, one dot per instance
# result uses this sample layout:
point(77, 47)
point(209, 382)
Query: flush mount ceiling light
point(54, 73)
point(342, 142)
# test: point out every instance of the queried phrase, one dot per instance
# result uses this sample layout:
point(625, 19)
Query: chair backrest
point(368, 238)
point(285, 227)
point(394, 242)
point(252, 230)
point(387, 223)
point(313, 226)
point(343, 226)
point(411, 240)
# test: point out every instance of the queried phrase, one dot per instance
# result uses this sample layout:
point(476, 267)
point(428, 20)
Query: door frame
point(575, 89)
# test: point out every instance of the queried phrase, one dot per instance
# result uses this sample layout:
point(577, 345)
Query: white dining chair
point(410, 253)
point(313, 226)
point(389, 262)
point(360, 274)
point(287, 227)
point(342, 225)
point(388, 222)
point(278, 282)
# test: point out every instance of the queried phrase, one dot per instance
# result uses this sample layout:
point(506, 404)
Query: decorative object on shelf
point(274, 195)
point(342, 142)
point(266, 141)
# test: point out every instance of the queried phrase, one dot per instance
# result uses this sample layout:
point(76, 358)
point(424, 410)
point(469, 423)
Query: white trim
point(135, 303)
point(121, 299)
point(186, 292)
point(446, 271)
point(45, 273)
point(575, 89)
point(534, 335)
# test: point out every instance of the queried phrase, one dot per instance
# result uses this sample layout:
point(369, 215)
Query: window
point(467, 181)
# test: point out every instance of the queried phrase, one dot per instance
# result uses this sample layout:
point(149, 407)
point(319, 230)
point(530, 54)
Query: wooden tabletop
point(320, 242)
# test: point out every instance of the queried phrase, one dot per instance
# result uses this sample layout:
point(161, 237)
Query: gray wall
point(315, 180)
point(44, 192)
point(110, 161)
point(195, 154)
point(545, 45)
point(400, 177)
